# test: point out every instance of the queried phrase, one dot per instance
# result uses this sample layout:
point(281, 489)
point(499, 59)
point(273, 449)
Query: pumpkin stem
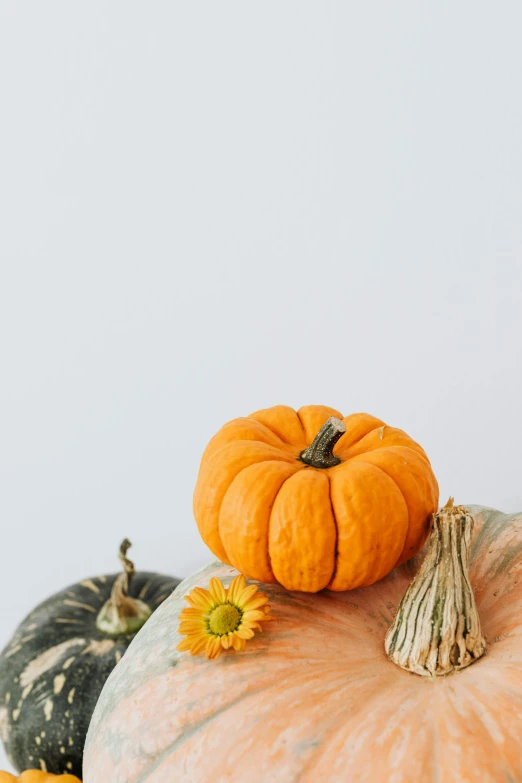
point(437, 629)
point(320, 453)
point(121, 614)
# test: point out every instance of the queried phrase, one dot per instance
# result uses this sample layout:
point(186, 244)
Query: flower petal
point(254, 626)
point(246, 595)
point(196, 634)
point(253, 615)
point(244, 633)
point(226, 642)
point(213, 648)
point(188, 611)
point(217, 591)
point(198, 645)
point(200, 599)
point(236, 587)
point(258, 600)
point(237, 643)
point(192, 626)
point(192, 621)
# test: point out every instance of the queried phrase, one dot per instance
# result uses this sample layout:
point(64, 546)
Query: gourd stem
point(122, 614)
point(320, 453)
point(437, 629)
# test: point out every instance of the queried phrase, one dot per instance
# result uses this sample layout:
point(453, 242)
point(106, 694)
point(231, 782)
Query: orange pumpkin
point(314, 697)
point(275, 500)
point(37, 776)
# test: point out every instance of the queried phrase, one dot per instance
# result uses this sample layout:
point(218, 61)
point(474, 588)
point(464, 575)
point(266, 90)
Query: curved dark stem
point(122, 614)
point(128, 568)
point(320, 453)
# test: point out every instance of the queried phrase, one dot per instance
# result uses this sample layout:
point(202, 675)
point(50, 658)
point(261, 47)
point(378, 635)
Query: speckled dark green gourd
point(55, 666)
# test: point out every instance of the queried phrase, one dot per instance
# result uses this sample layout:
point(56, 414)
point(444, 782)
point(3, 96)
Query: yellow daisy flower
point(220, 618)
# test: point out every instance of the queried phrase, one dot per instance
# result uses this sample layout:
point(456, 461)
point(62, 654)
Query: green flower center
point(224, 619)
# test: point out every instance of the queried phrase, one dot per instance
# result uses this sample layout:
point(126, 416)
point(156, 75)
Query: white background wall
point(209, 208)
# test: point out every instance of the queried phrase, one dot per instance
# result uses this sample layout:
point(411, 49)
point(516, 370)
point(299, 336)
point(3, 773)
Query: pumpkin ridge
point(433, 486)
point(361, 459)
point(238, 445)
point(379, 467)
point(284, 427)
point(384, 449)
point(387, 449)
point(268, 429)
point(242, 442)
point(367, 543)
point(336, 554)
point(271, 431)
point(326, 411)
point(302, 424)
point(401, 493)
point(229, 434)
point(356, 441)
point(238, 441)
point(396, 431)
point(405, 503)
point(269, 556)
point(263, 452)
point(231, 487)
point(303, 532)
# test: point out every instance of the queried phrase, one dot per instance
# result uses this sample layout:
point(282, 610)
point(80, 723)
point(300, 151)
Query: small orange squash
point(314, 698)
point(312, 500)
point(37, 776)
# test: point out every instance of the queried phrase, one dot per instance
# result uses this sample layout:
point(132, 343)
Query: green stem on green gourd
point(121, 614)
point(320, 453)
point(437, 629)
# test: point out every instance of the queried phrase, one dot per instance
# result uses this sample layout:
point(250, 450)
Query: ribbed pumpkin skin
point(36, 776)
point(53, 669)
point(314, 698)
point(261, 509)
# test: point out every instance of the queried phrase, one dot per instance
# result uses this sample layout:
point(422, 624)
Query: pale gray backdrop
point(208, 208)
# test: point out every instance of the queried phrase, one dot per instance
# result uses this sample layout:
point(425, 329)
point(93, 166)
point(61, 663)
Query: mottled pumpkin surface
point(314, 698)
point(263, 510)
point(54, 667)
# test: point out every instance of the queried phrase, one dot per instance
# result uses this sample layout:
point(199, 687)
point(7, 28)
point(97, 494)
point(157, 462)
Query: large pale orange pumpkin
point(315, 697)
point(311, 499)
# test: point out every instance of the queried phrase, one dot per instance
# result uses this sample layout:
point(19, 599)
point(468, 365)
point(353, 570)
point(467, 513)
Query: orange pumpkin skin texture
point(315, 698)
point(262, 509)
point(37, 776)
